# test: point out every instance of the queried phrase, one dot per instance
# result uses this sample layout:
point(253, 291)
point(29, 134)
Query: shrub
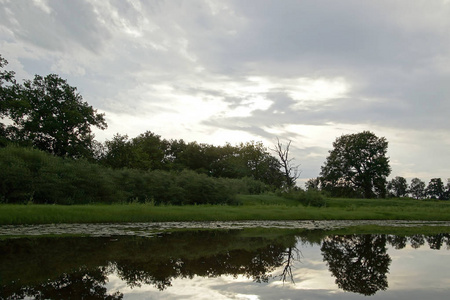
point(32, 175)
point(308, 198)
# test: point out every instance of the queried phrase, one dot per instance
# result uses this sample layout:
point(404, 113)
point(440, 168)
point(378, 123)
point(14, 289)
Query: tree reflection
point(438, 240)
point(359, 262)
point(417, 241)
point(81, 284)
point(292, 254)
point(137, 261)
point(253, 264)
point(78, 268)
point(398, 242)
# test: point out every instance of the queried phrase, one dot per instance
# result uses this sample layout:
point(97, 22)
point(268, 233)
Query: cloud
point(308, 71)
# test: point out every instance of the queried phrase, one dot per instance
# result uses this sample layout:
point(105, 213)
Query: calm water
point(226, 263)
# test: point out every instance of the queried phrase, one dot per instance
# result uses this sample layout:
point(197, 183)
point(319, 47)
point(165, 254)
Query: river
point(222, 260)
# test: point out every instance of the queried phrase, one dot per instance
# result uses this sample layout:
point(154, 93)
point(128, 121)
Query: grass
point(258, 207)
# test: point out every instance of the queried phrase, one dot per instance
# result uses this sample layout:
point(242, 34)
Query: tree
point(50, 115)
point(447, 190)
point(246, 160)
point(149, 151)
point(313, 184)
point(417, 188)
point(260, 165)
point(435, 189)
point(8, 88)
point(398, 187)
point(290, 171)
point(359, 262)
point(118, 152)
point(357, 165)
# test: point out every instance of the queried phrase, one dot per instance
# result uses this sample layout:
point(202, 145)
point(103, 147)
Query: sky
point(238, 71)
point(425, 278)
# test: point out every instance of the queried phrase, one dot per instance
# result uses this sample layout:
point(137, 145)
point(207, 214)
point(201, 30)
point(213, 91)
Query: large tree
point(8, 88)
point(50, 115)
point(359, 262)
point(357, 165)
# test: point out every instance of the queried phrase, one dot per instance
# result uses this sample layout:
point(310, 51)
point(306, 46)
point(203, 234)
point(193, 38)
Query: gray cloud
point(148, 61)
point(63, 26)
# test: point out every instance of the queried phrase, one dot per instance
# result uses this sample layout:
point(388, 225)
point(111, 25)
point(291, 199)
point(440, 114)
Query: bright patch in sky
point(236, 71)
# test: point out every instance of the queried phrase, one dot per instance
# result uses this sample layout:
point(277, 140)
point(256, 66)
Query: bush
point(245, 186)
point(201, 189)
point(16, 184)
point(33, 175)
point(308, 198)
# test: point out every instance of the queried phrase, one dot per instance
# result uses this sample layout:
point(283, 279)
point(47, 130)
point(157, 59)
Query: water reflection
point(359, 262)
point(79, 268)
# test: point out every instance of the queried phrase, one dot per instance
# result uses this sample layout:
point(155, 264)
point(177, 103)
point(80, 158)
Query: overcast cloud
point(236, 71)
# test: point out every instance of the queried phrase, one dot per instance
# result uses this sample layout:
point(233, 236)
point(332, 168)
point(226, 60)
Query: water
point(279, 260)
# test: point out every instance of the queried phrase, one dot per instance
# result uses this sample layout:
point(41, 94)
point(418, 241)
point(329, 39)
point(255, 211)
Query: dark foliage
point(30, 175)
point(149, 151)
point(357, 166)
point(48, 114)
point(359, 263)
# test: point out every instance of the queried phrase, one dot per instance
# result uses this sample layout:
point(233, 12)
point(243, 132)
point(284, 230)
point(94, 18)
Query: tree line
point(359, 263)
point(149, 151)
point(48, 114)
point(357, 166)
point(398, 187)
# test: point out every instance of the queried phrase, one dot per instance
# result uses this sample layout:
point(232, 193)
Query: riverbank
point(258, 207)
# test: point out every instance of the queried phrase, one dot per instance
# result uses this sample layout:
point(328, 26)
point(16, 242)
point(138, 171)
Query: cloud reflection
point(227, 264)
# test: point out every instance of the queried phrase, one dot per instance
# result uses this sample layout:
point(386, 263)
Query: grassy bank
point(260, 207)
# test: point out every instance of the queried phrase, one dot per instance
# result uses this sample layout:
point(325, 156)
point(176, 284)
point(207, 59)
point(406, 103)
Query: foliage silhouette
point(48, 114)
point(359, 263)
point(79, 266)
point(357, 166)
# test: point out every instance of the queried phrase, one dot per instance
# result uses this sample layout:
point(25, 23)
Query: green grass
point(259, 207)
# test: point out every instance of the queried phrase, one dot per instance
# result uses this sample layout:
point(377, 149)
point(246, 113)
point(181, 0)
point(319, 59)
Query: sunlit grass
point(260, 207)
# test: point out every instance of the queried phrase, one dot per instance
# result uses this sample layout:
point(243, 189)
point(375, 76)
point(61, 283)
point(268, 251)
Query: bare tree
point(292, 255)
point(290, 171)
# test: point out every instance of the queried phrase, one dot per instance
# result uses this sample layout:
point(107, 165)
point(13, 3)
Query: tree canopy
point(357, 166)
point(436, 189)
point(417, 188)
point(48, 114)
point(149, 151)
point(398, 187)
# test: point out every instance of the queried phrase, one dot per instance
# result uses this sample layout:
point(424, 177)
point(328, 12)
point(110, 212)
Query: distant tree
point(118, 152)
point(149, 151)
point(435, 189)
point(417, 188)
point(447, 190)
point(8, 90)
point(398, 187)
point(246, 160)
point(313, 184)
point(291, 172)
point(260, 165)
point(192, 156)
point(357, 165)
point(50, 115)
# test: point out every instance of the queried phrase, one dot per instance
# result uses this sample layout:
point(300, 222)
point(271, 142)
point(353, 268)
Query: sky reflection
point(251, 263)
point(413, 274)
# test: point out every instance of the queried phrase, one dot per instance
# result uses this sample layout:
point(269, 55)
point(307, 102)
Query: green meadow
point(252, 207)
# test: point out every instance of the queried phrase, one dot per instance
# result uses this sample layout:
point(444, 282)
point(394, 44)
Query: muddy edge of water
point(150, 229)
